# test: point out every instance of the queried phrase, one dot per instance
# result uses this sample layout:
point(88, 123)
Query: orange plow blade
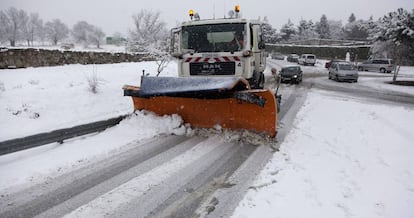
point(253, 110)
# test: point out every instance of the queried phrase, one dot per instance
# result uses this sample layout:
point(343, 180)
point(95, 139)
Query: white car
point(343, 71)
point(307, 59)
point(377, 65)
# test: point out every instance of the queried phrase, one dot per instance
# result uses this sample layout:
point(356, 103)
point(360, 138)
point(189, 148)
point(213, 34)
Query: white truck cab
point(220, 47)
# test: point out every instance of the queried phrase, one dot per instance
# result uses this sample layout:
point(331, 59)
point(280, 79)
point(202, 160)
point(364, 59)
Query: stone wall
point(327, 52)
point(21, 58)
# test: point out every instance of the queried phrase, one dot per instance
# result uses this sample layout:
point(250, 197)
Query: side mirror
point(262, 45)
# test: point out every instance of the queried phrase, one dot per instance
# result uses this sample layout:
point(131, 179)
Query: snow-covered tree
point(85, 33)
point(12, 21)
point(270, 34)
point(96, 36)
point(398, 28)
point(322, 28)
point(80, 32)
point(356, 29)
point(33, 28)
point(56, 30)
point(3, 27)
point(288, 30)
point(335, 29)
point(306, 30)
point(150, 35)
point(352, 18)
point(149, 32)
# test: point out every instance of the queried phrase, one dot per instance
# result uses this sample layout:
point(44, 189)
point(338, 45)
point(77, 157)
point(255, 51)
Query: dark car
point(293, 58)
point(291, 73)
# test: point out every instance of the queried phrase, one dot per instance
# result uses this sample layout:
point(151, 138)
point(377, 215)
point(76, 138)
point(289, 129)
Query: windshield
point(291, 69)
point(345, 67)
point(214, 37)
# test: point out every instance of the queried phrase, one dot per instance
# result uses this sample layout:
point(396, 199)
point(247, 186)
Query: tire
point(382, 70)
point(360, 69)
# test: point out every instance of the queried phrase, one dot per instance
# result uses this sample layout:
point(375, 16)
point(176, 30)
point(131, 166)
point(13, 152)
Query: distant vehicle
point(329, 63)
point(67, 46)
point(343, 71)
point(307, 59)
point(278, 56)
point(293, 58)
point(377, 65)
point(291, 73)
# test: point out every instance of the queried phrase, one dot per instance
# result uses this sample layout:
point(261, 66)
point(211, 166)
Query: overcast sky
point(115, 15)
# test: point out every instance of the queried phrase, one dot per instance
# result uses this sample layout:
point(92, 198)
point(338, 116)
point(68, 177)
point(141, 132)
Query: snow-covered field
point(36, 100)
point(344, 157)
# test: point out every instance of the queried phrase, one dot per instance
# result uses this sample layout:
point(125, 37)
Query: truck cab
point(220, 47)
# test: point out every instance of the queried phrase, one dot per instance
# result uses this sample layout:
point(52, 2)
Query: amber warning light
point(237, 8)
point(191, 13)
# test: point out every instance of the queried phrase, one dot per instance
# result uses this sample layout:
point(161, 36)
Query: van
point(307, 59)
point(377, 65)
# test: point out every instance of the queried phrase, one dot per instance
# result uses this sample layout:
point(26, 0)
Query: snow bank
point(343, 158)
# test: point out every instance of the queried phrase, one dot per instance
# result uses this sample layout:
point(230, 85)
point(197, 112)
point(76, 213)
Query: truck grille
point(217, 68)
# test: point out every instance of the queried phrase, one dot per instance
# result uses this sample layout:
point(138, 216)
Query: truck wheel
point(382, 70)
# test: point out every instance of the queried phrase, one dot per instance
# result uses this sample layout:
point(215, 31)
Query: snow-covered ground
point(35, 100)
point(344, 156)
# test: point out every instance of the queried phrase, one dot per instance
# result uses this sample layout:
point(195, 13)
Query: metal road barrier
point(27, 142)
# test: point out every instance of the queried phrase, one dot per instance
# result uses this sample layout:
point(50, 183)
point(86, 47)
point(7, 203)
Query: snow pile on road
point(343, 158)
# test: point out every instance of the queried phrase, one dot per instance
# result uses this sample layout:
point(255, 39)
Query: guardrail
point(60, 135)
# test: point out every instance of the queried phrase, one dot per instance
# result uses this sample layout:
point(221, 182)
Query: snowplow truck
point(220, 79)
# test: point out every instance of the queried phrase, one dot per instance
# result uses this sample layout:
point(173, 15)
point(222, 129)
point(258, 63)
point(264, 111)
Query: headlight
point(295, 76)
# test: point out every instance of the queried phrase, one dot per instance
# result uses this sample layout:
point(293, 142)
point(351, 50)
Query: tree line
point(391, 36)
point(17, 25)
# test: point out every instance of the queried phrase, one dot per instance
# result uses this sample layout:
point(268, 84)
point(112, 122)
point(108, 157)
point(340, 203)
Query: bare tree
point(149, 32)
point(32, 28)
point(96, 36)
point(12, 22)
point(3, 27)
point(80, 32)
point(56, 31)
point(150, 35)
point(85, 33)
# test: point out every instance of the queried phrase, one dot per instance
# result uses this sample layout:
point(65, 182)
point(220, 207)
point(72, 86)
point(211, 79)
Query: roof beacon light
point(237, 8)
point(191, 13)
